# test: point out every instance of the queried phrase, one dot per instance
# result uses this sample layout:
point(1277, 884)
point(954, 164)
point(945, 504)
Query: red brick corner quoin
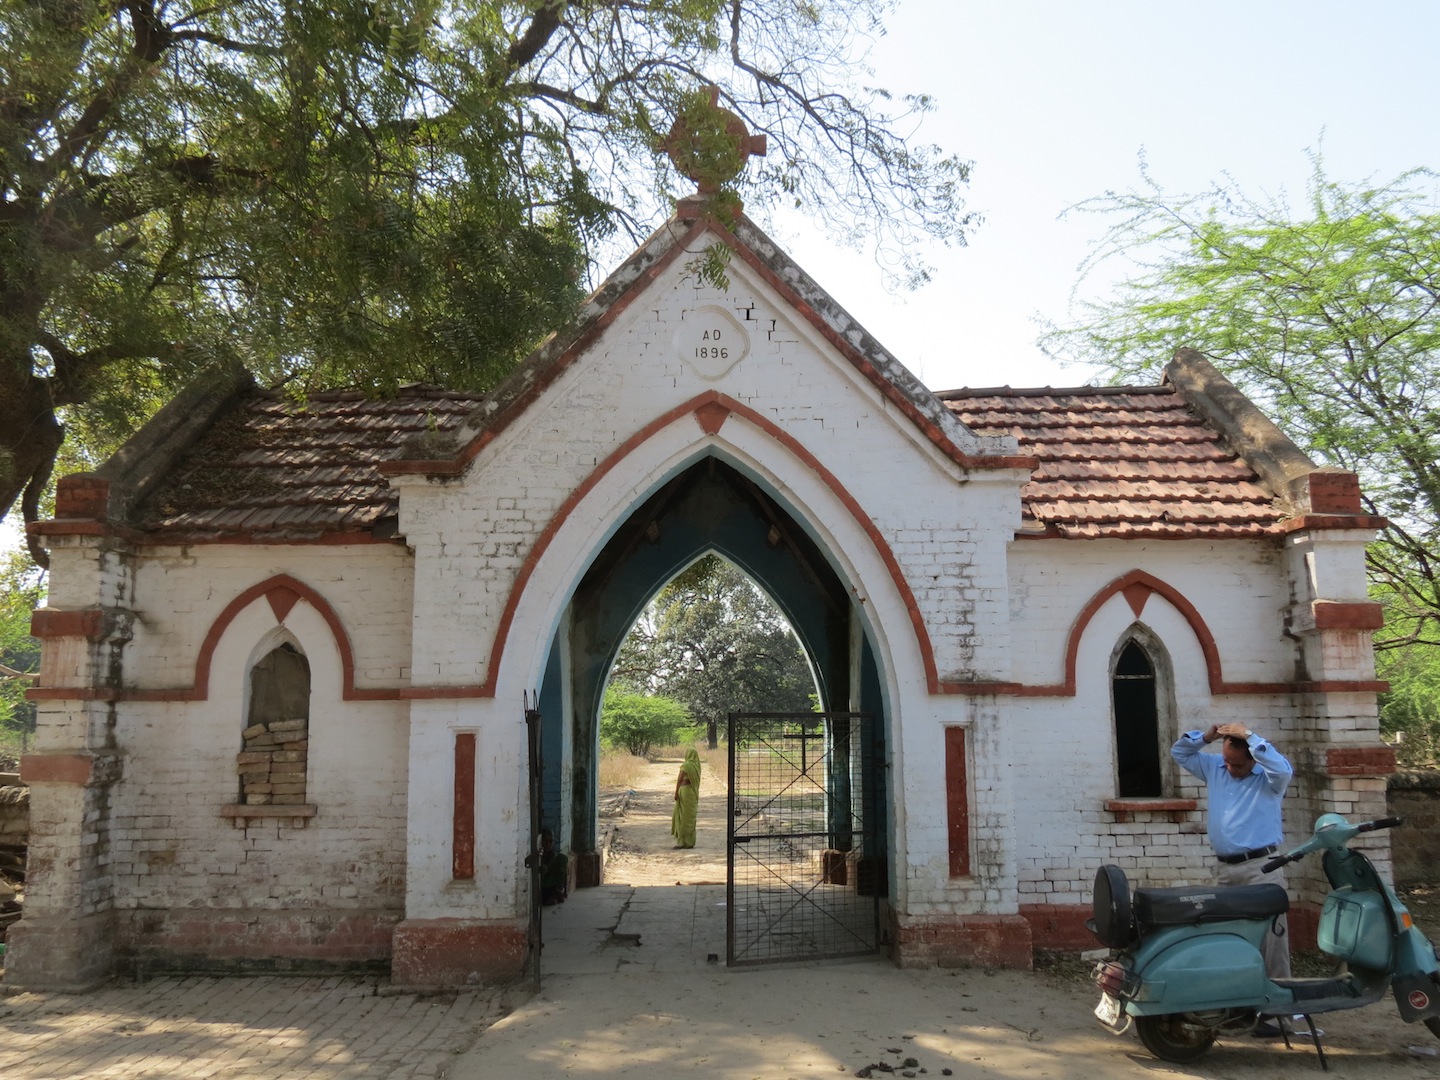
point(1360, 760)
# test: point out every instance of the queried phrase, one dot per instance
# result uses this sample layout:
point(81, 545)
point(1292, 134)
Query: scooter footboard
point(1191, 972)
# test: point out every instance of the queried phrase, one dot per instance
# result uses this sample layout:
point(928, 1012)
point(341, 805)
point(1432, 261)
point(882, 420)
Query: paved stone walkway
point(259, 1028)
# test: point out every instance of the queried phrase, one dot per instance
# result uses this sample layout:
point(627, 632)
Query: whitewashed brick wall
point(1240, 592)
point(170, 848)
point(947, 531)
point(180, 593)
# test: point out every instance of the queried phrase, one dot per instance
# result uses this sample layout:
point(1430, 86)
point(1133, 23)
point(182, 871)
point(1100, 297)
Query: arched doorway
point(710, 506)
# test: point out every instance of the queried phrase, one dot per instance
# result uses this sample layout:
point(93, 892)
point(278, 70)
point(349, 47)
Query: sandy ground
point(657, 1019)
point(644, 852)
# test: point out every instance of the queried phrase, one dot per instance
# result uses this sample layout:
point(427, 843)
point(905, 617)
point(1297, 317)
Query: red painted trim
point(1191, 533)
point(552, 369)
point(1135, 596)
point(48, 623)
point(284, 586)
point(282, 601)
point(1130, 585)
point(1059, 926)
point(887, 389)
point(1338, 615)
point(56, 768)
point(462, 850)
point(83, 527)
point(712, 417)
point(444, 693)
point(957, 801)
point(1319, 522)
point(74, 693)
point(457, 952)
point(1359, 760)
point(1203, 636)
point(693, 408)
point(961, 940)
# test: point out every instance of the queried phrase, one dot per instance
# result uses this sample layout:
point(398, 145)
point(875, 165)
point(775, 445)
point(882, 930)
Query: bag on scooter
point(1190, 904)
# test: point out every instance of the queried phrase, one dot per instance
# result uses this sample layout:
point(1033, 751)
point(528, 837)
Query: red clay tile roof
point(1114, 462)
point(270, 469)
point(1122, 462)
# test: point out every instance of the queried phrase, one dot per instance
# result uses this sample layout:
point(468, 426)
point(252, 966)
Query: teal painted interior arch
point(710, 506)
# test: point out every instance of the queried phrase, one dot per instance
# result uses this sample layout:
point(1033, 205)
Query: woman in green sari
point(687, 800)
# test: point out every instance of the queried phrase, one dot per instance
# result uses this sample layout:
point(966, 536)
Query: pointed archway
point(709, 506)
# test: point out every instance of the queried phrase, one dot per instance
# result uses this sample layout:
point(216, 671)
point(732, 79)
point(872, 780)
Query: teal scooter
point(1187, 966)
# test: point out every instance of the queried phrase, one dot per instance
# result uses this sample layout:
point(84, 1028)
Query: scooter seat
point(1207, 903)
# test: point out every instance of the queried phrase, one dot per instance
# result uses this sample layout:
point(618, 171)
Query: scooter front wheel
point(1174, 1037)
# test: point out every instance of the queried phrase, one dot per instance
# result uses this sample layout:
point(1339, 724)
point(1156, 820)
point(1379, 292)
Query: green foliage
point(714, 641)
point(1411, 708)
point(22, 589)
point(362, 194)
point(1328, 316)
point(710, 267)
point(637, 723)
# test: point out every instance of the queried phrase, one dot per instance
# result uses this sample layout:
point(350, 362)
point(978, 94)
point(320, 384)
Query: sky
point(1054, 102)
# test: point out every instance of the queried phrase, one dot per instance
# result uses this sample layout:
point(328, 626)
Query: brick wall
point(459, 631)
point(1415, 846)
point(188, 883)
point(474, 536)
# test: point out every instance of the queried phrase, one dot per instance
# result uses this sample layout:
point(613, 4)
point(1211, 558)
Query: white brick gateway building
point(287, 649)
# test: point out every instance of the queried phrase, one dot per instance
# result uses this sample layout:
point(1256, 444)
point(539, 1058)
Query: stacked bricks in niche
point(273, 763)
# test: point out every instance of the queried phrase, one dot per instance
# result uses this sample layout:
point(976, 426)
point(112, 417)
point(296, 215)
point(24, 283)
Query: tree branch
point(543, 25)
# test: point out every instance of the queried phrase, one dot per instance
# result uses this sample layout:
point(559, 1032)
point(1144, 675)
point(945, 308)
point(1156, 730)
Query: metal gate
point(806, 865)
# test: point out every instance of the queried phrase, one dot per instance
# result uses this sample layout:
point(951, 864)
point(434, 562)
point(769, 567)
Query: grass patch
point(621, 770)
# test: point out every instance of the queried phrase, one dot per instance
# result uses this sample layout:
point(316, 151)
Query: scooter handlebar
point(1365, 826)
point(1380, 823)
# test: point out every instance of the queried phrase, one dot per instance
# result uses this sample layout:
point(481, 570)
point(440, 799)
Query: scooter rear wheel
point(1433, 1023)
point(1174, 1038)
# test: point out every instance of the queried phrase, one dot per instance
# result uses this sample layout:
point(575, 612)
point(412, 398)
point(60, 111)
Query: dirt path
point(817, 1020)
point(643, 851)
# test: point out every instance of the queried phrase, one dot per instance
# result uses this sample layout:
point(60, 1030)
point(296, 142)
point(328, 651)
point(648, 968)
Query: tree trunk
point(30, 437)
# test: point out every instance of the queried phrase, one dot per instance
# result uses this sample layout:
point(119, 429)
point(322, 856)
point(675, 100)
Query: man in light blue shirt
point(1245, 784)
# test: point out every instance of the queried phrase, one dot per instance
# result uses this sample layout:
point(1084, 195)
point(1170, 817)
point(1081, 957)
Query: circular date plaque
point(711, 341)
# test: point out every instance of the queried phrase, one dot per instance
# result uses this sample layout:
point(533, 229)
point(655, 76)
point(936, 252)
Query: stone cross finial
point(708, 144)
